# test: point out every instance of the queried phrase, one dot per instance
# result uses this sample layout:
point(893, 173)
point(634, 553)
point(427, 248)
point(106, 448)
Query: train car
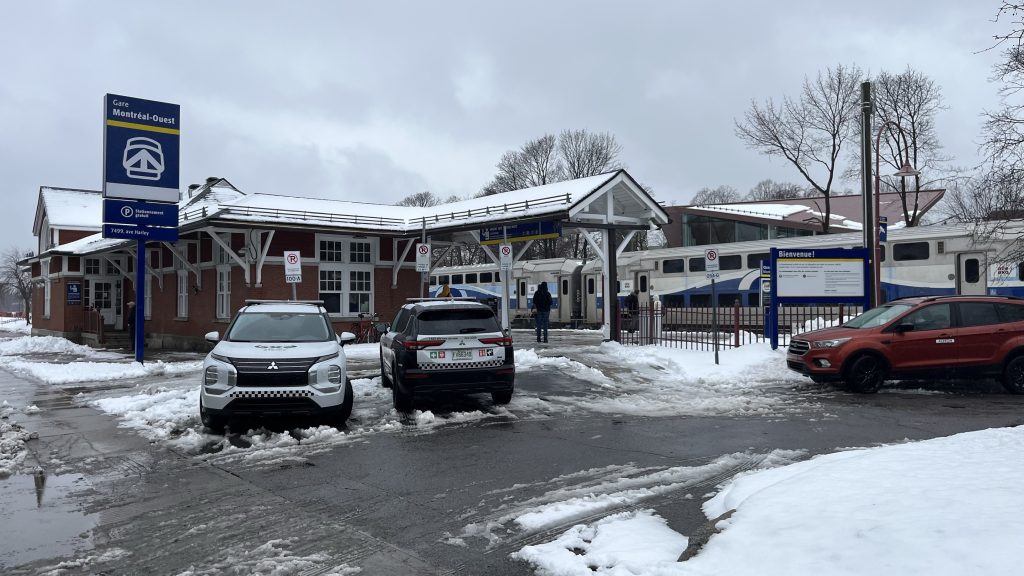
point(484, 282)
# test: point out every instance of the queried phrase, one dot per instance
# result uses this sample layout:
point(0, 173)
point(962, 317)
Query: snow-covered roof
point(91, 244)
point(69, 208)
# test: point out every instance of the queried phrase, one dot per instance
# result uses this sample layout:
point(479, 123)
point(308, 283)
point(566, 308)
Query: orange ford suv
point(939, 336)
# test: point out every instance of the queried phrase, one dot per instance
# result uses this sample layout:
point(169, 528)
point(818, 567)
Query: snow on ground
point(50, 345)
point(274, 558)
point(18, 325)
point(593, 493)
point(660, 381)
point(97, 371)
point(947, 506)
point(362, 351)
point(12, 446)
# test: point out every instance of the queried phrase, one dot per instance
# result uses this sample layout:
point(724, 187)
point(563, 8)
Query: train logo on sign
point(143, 159)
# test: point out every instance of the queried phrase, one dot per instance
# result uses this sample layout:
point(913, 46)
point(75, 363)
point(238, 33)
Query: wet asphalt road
point(110, 502)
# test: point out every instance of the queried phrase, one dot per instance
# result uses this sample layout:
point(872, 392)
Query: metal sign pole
point(294, 297)
point(714, 316)
point(140, 299)
point(423, 275)
point(506, 324)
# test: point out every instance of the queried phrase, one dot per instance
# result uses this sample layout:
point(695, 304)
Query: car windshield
point(279, 327)
point(457, 321)
point(878, 316)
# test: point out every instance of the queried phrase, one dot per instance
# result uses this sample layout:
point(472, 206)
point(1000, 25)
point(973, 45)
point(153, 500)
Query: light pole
point(906, 170)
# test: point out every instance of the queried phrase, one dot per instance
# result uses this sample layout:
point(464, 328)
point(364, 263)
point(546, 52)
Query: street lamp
point(906, 170)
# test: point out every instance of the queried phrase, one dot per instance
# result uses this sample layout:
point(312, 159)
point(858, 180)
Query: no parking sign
point(422, 257)
point(505, 252)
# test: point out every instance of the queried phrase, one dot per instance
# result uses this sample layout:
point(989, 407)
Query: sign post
point(293, 269)
point(140, 182)
point(711, 269)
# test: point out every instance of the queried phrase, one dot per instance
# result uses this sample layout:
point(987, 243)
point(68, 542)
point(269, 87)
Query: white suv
point(277, 358)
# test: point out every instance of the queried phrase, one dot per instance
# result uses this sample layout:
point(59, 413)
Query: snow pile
point(362, 351)
point(528, 359)
point(44, 345)
point(820, 323)
point(159, 413)
point(622, 544)
point(18, 325)
point(12, 447)
point(78, 564)
point(941, 507)
point(96, 371)
point(659, 381)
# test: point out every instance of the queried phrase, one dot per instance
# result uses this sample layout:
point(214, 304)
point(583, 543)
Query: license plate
point(462, 354)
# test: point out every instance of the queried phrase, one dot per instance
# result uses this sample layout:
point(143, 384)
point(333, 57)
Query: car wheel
point(385, 378)
point(1013, 376)
point(865, 375)
point(402, 401)
point(213, 423)
point(346, 407)
point(501, 397)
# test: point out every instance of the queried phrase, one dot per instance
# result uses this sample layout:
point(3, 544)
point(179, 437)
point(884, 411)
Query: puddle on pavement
point(40, 521)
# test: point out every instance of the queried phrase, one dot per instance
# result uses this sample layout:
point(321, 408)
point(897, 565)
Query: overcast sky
point(372, 101)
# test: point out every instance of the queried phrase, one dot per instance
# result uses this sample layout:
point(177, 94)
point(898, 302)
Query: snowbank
point(98, 371)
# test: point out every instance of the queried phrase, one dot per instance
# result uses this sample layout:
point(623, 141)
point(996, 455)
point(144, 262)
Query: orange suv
point(945, 336)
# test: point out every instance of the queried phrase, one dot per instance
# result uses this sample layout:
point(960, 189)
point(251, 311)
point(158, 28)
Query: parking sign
point(292, 266)
point(505, 253)
point(423, 257)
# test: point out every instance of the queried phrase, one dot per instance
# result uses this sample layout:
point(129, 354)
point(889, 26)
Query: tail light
point(421, 344)
point(500, 341)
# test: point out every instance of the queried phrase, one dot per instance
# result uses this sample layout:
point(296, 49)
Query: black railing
point(695, 328)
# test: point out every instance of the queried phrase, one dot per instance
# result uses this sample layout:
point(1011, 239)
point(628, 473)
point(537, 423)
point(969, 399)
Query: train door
point(564, 298)
point(642, 283)
point(972, 274)
point(592, 298)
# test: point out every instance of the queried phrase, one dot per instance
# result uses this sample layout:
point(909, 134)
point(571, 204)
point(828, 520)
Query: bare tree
point(536, 163)
point(905, 108)
point(425, 198)
point(809, 131)
point(769, 189)
point(1003, 130)
point(16, 279)
point(586, 154)
point(719, 195)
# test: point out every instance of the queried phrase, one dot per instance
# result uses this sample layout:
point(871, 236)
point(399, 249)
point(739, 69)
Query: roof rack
point(942, 296)
point(441, 299)
point(317, 302)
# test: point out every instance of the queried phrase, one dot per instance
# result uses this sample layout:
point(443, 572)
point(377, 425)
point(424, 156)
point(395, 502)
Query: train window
point(643, 283)
point(471, 278)
point(910, 251)
point(485, 277)
point(677, 266)
point(565, 287)
point(456, 278)
point(1020, 271)
point(497, 276)
point(882, 247)
point(522, 288)
point(731, 262)
point(972, 271)
point(590, 285)
point(753, 300)
point(433, 280)
point(618, 286)
point(696, 264)
point(442, 279)
point(728, 299)
point(700, 299)
point(754, 260)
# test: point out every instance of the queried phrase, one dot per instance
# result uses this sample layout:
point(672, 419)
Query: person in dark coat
point(130, 321)
point(542, 307)
point(632, 315)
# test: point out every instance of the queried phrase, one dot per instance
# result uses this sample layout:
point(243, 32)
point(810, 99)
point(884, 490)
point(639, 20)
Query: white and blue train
point(925, 260)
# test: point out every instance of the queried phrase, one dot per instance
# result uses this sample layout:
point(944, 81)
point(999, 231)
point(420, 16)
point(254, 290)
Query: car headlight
point(833, 343)
point(220, 358)
point(326, 358)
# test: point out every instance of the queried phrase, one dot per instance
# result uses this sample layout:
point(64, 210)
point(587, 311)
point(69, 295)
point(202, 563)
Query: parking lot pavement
point(452, 489)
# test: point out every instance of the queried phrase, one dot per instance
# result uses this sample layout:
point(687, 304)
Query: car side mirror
point(346, 338)
point(213, 337)
point(901, 328)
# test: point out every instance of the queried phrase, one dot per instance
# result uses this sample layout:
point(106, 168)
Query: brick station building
point(356, 257)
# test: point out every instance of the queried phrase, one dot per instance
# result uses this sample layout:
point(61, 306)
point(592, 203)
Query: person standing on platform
point(542, 307)
point(130, 321)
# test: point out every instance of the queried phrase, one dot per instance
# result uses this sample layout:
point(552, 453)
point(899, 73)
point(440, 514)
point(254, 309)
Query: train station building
point(358, 258)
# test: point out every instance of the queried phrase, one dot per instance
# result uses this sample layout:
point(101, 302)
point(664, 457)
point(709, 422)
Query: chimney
point(212, 179)
point(191, 189)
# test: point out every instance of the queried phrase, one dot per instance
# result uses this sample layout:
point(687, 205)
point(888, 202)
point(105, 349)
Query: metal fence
point(695, 328)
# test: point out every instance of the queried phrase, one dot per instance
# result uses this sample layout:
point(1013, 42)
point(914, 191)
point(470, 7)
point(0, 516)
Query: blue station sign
point(141, 149)
point(139, 213)
point(74, 293)
point(521, 232)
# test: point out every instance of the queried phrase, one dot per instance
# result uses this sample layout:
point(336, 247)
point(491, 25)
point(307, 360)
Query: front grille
point(273, 405)
point(798, 366)
point(799, 347)
point(270, 372)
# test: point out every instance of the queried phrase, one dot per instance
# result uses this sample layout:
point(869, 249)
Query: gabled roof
point(69, 208)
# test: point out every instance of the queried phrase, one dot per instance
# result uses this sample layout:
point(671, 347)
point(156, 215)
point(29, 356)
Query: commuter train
point(925, 260)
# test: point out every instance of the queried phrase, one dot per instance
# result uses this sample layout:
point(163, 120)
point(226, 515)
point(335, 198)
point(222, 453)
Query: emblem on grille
point(273, 366)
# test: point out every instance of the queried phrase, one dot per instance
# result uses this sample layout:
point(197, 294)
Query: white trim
point(223, 299)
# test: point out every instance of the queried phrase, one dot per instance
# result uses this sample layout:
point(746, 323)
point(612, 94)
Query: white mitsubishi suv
point(277, 358)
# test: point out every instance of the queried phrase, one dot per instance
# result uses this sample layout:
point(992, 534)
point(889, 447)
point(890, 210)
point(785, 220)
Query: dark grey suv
point(437, 346)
